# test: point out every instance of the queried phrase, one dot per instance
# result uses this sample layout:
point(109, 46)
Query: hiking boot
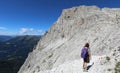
point(85, 70)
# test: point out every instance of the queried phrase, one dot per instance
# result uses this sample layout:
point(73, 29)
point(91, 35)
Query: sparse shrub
point(117, 67)
point(110, 48)
point(114, 50)
point(29, 66)
point(50, 55)
point(119, 48)
point(33, 71)
point(108, 58)
point(113, 54)
point(38, 68)
point(115, 59)
point(44, 61)
point(50, 64)
point(109, 69)
point(95, 39)
point(63, 36)
point(68, 16)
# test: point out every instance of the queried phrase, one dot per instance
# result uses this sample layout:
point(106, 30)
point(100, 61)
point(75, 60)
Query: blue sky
point(34, 17)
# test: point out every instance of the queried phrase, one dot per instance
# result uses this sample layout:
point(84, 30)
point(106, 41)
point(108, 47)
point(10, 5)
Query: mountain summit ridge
point(66, 37)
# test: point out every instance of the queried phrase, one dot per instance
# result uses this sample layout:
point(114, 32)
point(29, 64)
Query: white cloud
point(23, 30)
point(41, 31)
point(3, 28)
point(31, 29)
point(26, 30)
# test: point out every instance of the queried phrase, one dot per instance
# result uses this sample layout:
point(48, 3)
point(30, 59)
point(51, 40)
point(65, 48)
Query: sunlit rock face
point(66, 37)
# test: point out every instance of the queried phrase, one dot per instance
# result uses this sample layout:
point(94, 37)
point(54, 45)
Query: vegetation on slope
point(14, 52)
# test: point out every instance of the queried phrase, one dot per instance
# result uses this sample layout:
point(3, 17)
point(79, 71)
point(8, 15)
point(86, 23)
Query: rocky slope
point(63, 42)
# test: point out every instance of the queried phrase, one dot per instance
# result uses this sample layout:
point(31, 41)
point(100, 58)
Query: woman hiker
point(86, 55)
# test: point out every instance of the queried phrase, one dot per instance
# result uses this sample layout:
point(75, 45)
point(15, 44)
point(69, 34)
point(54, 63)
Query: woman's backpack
point(84, 53)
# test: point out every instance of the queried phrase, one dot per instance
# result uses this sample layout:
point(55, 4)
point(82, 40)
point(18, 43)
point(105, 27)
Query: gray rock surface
point(66, 37)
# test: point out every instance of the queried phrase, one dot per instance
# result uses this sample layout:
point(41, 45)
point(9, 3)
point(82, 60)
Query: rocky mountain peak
point(64, 40)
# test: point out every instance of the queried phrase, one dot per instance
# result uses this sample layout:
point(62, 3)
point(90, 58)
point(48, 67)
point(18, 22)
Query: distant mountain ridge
point(14, 51)
point(19, 44)
point(4, 38)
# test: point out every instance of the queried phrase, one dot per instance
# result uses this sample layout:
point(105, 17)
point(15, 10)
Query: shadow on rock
point(89, 66)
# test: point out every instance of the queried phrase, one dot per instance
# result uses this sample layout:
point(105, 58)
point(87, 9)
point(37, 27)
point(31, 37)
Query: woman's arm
point(90, 55)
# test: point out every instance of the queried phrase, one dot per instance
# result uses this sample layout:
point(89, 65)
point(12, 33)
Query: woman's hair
point(87, 45)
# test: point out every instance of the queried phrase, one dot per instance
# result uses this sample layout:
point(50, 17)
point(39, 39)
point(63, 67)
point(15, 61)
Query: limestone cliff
point(66, 37)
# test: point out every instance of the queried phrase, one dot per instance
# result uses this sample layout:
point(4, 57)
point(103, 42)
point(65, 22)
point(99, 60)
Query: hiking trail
point(76, 66)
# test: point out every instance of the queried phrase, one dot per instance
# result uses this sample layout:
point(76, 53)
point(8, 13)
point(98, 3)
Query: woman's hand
point(90, 57)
